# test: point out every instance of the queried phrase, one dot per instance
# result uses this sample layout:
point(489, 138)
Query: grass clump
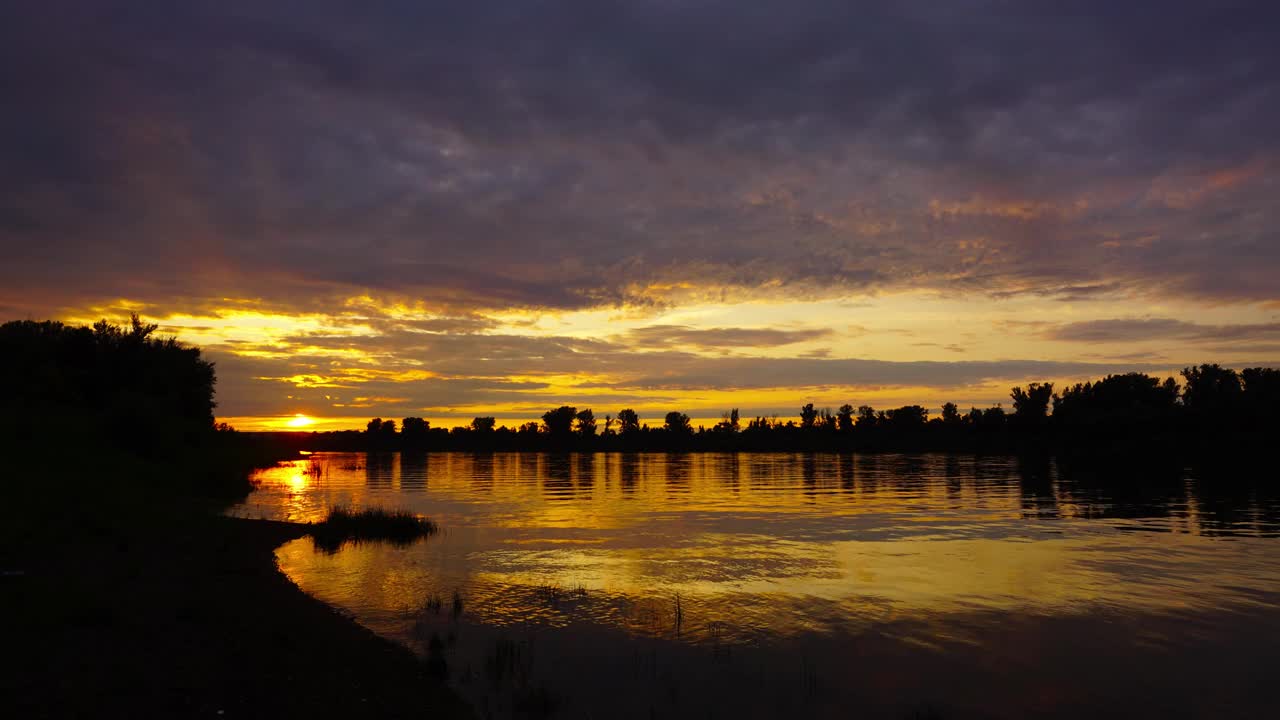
point(345, 524)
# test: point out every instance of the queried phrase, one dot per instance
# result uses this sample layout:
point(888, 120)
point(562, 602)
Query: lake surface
point(760, 585)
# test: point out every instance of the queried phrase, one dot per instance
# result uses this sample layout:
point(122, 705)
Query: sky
point(446, 209)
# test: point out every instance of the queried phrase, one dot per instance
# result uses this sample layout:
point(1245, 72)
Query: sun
point(300, 420)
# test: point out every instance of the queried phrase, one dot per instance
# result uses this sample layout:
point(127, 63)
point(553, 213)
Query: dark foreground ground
point(188, 617)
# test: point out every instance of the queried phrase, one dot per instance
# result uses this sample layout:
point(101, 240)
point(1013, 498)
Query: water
point(755, 585)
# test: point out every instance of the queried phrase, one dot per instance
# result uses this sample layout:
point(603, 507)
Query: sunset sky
point(446, 209)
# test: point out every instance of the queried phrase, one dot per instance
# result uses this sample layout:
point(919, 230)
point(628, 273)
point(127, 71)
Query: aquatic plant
point(345, 524)
point(437, 666)
point(534, 702)
point(510, 661)
point(549, 593)
point(315, 469)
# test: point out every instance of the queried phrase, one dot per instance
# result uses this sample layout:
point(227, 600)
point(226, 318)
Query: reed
point(346, 524)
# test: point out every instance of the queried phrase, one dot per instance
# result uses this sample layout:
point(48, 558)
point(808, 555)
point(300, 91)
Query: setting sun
point(299, 420)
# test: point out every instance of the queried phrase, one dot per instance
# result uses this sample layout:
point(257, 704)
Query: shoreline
point(193, 618)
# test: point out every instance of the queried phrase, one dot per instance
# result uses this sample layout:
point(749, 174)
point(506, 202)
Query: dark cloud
point(949, 347)
point(1142, 357)
point(1128, 330)
point(1254, 350)
point(721, 337)
point(576, 153)
point(755, 373)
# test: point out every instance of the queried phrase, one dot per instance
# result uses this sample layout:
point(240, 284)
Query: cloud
point(755, 373)
point(575, 154)
point(717, 338)
point(621, 364)
point(949, 347)
point(1128, 330)
point(393, 179)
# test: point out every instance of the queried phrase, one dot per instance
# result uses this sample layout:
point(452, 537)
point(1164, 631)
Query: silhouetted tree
point(380, 434)
point(1031, 406)
point(559, 422)
point(677, 423)
point(728, 422)
point(807, 416)
point(1129, 400)
point(907, 417)
point(413, 432)
point(993, 418)
point(950, 414)
point(1212, 390)
point(1261, 382)
point(1261, 394)
point(628, 421)
point(586, 423)
point(844, 418)
point(1223, 410)
point(119, 386)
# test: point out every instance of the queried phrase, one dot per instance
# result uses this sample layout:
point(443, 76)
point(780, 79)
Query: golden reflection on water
point(771, 585)
point(766, 544)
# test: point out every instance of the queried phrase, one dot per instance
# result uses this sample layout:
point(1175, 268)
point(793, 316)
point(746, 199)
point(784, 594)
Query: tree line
point(122, 405)
point(1212, 404)
point(123, 390)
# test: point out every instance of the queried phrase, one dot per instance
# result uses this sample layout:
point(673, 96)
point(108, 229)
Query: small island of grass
point(346, 524)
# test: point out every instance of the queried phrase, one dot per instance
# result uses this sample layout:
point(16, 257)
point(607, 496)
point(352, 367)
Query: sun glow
point(299, 421)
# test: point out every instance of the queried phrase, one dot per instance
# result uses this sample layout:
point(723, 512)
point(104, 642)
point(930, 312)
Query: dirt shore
point(191, 618)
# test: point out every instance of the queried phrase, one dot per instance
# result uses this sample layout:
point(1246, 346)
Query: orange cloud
point(1013, 210)
point(1181, 192)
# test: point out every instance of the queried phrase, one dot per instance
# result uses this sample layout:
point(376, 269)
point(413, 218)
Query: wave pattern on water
point(965, 557)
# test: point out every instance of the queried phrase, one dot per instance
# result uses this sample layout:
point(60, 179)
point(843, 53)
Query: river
point(767, 585)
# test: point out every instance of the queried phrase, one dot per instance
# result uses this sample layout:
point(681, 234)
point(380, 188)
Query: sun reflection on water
point(904, 561)
point(830, 538)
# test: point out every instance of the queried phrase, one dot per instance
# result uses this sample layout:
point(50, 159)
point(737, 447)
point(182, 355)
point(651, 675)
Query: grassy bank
point(186, 615)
